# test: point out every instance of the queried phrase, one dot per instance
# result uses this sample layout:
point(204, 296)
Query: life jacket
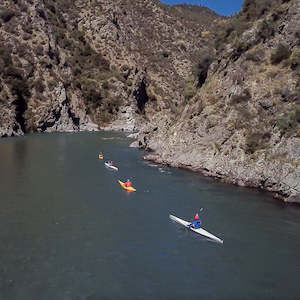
point(128, 183)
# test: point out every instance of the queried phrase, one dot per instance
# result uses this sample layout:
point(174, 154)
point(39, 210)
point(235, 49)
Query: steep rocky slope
point(69, 65)
point(243, 124)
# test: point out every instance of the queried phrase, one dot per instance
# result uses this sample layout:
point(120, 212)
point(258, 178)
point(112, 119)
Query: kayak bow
point(130, 188)
point(198, 230)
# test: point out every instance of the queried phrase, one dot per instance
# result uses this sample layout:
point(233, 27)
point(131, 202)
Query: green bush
point(39, 85)
point(288, 123)
point(256, 141)
point(255, 55)
point(20, 87)
point(66, 43)
point(39, 50)
point(26, 36)
point(265, 30)
point(241, 98)
point(105, 85)
point(5, 56)
point(279, 54)
point(92, 96)
point(22, 50)
point(6, 15)
point(27, 27)
point(13, 72)
point(189, 91)
point(295, 59)
point(255, 9)
point(51, 84)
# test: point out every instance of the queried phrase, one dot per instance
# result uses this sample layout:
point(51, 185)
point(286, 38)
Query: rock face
point(69, 66)
point(242, 126)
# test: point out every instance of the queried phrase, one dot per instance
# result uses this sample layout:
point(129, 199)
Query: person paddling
point(128, 183)
point(196, 223)
point(111, 163)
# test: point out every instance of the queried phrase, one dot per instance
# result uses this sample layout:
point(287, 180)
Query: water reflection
point(20, 154)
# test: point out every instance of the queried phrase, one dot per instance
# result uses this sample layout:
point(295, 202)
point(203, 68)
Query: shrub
point(5, 55)
point(42, 14)
point(66, 43)
point(254, 55)
point(256, 141)
point(189, 91)
point(105, 85)
point(39, 50)
point(20, 87)
point(254, 9)
point(295, 59)
point(51, 84)
point(6, 15)
point(92, 96)
point(240, 98)
point(279, 54)
point(39, 85)
point(288, 123)
point(13, 72)
point(265, 30)
point(272, 74)
point(22, 50)
point(27, 27)
point(26, 36)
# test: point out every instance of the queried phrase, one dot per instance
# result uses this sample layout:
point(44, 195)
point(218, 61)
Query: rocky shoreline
point(280, 178)
point(274, 188)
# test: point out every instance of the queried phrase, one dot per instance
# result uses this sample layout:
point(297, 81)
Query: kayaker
point(196, 223)
point(111, 163)
point(128, 183)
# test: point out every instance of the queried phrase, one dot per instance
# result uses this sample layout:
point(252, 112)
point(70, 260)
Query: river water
point(69, 231)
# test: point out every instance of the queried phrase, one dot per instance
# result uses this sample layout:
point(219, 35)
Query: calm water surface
point(68, 231)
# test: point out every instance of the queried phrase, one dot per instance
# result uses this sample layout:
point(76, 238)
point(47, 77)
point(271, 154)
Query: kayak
point(198, 230)
point(130, 188)
point(112, 167)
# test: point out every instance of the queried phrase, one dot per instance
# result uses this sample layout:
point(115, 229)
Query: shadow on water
point(19, 154)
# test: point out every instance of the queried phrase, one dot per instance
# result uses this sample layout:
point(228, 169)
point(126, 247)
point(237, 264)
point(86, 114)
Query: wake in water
point(162, 170)
point(112, 138)
point(151, 165)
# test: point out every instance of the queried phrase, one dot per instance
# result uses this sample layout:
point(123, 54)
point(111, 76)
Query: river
point(70, 232)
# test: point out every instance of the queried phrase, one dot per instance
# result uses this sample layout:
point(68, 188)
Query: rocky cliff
point(242, 125)
point(77, 65)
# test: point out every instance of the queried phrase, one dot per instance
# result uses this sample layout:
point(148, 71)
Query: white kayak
point(112, 167)
point(198, 230)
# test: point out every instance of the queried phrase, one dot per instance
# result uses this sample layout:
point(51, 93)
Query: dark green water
point(68, 231)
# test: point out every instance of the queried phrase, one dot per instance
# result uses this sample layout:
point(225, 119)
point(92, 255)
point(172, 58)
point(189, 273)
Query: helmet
point(128, 180)
point(196, 217)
